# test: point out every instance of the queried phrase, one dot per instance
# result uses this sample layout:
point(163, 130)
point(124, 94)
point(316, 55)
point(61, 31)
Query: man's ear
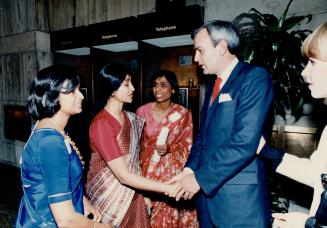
point(222, 47)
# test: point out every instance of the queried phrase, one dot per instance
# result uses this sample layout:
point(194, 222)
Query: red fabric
point(167, 212)
point(104, 130)
point(179, 142)
point(108, 196)
point(216, 89)
point(136, 215)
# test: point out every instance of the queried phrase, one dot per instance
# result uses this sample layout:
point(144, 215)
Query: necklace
point(72, 143)
point(68, 139)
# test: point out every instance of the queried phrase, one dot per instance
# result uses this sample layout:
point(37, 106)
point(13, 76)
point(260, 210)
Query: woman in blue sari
point(51, 166)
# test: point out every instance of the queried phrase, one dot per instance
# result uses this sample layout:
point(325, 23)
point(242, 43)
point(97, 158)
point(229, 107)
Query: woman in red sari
point(166, 143)
point(114, 166)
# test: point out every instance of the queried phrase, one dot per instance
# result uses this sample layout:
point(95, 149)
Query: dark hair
point(221, 30)
point(111, 77)
point(172, 80)
point(43, 100)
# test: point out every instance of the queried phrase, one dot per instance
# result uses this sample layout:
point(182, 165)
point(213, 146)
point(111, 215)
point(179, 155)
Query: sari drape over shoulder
point(106, 193)
point(166, 212)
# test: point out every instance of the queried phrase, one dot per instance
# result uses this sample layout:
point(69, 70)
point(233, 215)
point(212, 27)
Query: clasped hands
point(183, 185)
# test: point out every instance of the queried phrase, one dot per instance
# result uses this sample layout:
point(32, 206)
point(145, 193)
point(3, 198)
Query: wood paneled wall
point(299, 141)
point(183, 72)
point(87, 12)
point(24, 43)
point(19, 16)
point(17, 70)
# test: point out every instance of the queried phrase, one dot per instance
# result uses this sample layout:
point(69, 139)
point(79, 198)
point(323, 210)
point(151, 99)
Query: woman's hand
point(148, 204)
point(162, 149)
point(290, 220)
point(102, 225)
point(89, 211)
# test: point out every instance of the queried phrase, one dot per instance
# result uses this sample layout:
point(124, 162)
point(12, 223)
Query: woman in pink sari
point(166, 143)
point(115, 173)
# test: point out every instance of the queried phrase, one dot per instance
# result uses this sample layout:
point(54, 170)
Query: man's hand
point(190, 187)
point(188, 182)
point(180, 176)
point(173, 188)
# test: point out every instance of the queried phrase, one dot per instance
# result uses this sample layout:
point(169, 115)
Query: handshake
point(183, 185)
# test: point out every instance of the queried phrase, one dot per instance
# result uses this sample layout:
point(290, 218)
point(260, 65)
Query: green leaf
point(295, 20)
point(283, 17)
point(275, 44)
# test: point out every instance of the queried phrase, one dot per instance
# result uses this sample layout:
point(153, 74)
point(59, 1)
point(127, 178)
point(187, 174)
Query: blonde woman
point(312, 171)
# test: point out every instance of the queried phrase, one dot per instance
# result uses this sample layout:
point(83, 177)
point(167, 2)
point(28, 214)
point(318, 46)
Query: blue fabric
point(51, 173)
point(203, 214)
point(223, 157)
point(320, 219)
point(271, 156)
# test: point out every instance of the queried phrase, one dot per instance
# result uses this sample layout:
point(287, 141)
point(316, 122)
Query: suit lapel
point(227, 86)
point(205, 107)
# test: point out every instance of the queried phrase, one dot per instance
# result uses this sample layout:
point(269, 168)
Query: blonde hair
point(315, 45)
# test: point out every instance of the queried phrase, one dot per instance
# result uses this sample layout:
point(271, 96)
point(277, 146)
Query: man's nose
point(196, 57)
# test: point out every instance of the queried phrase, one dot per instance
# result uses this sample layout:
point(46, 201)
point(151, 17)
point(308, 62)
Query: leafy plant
point(273, 43)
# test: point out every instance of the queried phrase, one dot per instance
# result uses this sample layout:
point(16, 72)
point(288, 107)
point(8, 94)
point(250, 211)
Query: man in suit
point(223, 167)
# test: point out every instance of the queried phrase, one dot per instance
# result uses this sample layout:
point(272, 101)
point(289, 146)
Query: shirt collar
point(228, 70)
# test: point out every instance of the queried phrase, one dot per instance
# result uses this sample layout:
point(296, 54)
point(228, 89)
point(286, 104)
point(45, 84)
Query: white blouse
point(308, 170)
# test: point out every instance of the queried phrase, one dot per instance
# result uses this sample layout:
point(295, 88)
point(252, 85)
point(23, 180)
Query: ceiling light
point(119, 47)
point(76, 51)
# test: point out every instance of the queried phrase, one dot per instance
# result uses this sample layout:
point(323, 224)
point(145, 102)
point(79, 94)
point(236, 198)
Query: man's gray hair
point(221, 30)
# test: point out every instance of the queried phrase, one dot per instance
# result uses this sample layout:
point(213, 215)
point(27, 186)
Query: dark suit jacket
point(223, 157)
point(320, 219)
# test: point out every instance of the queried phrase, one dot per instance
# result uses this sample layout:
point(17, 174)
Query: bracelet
point(90, 216)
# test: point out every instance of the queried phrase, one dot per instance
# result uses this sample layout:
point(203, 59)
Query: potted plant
point(273, 43)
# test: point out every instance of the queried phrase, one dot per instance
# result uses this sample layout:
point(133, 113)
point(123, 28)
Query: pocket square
point(224, 97)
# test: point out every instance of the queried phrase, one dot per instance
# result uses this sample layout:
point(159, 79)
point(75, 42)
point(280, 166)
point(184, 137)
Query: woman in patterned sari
point(115, 172)
point(165, 146)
